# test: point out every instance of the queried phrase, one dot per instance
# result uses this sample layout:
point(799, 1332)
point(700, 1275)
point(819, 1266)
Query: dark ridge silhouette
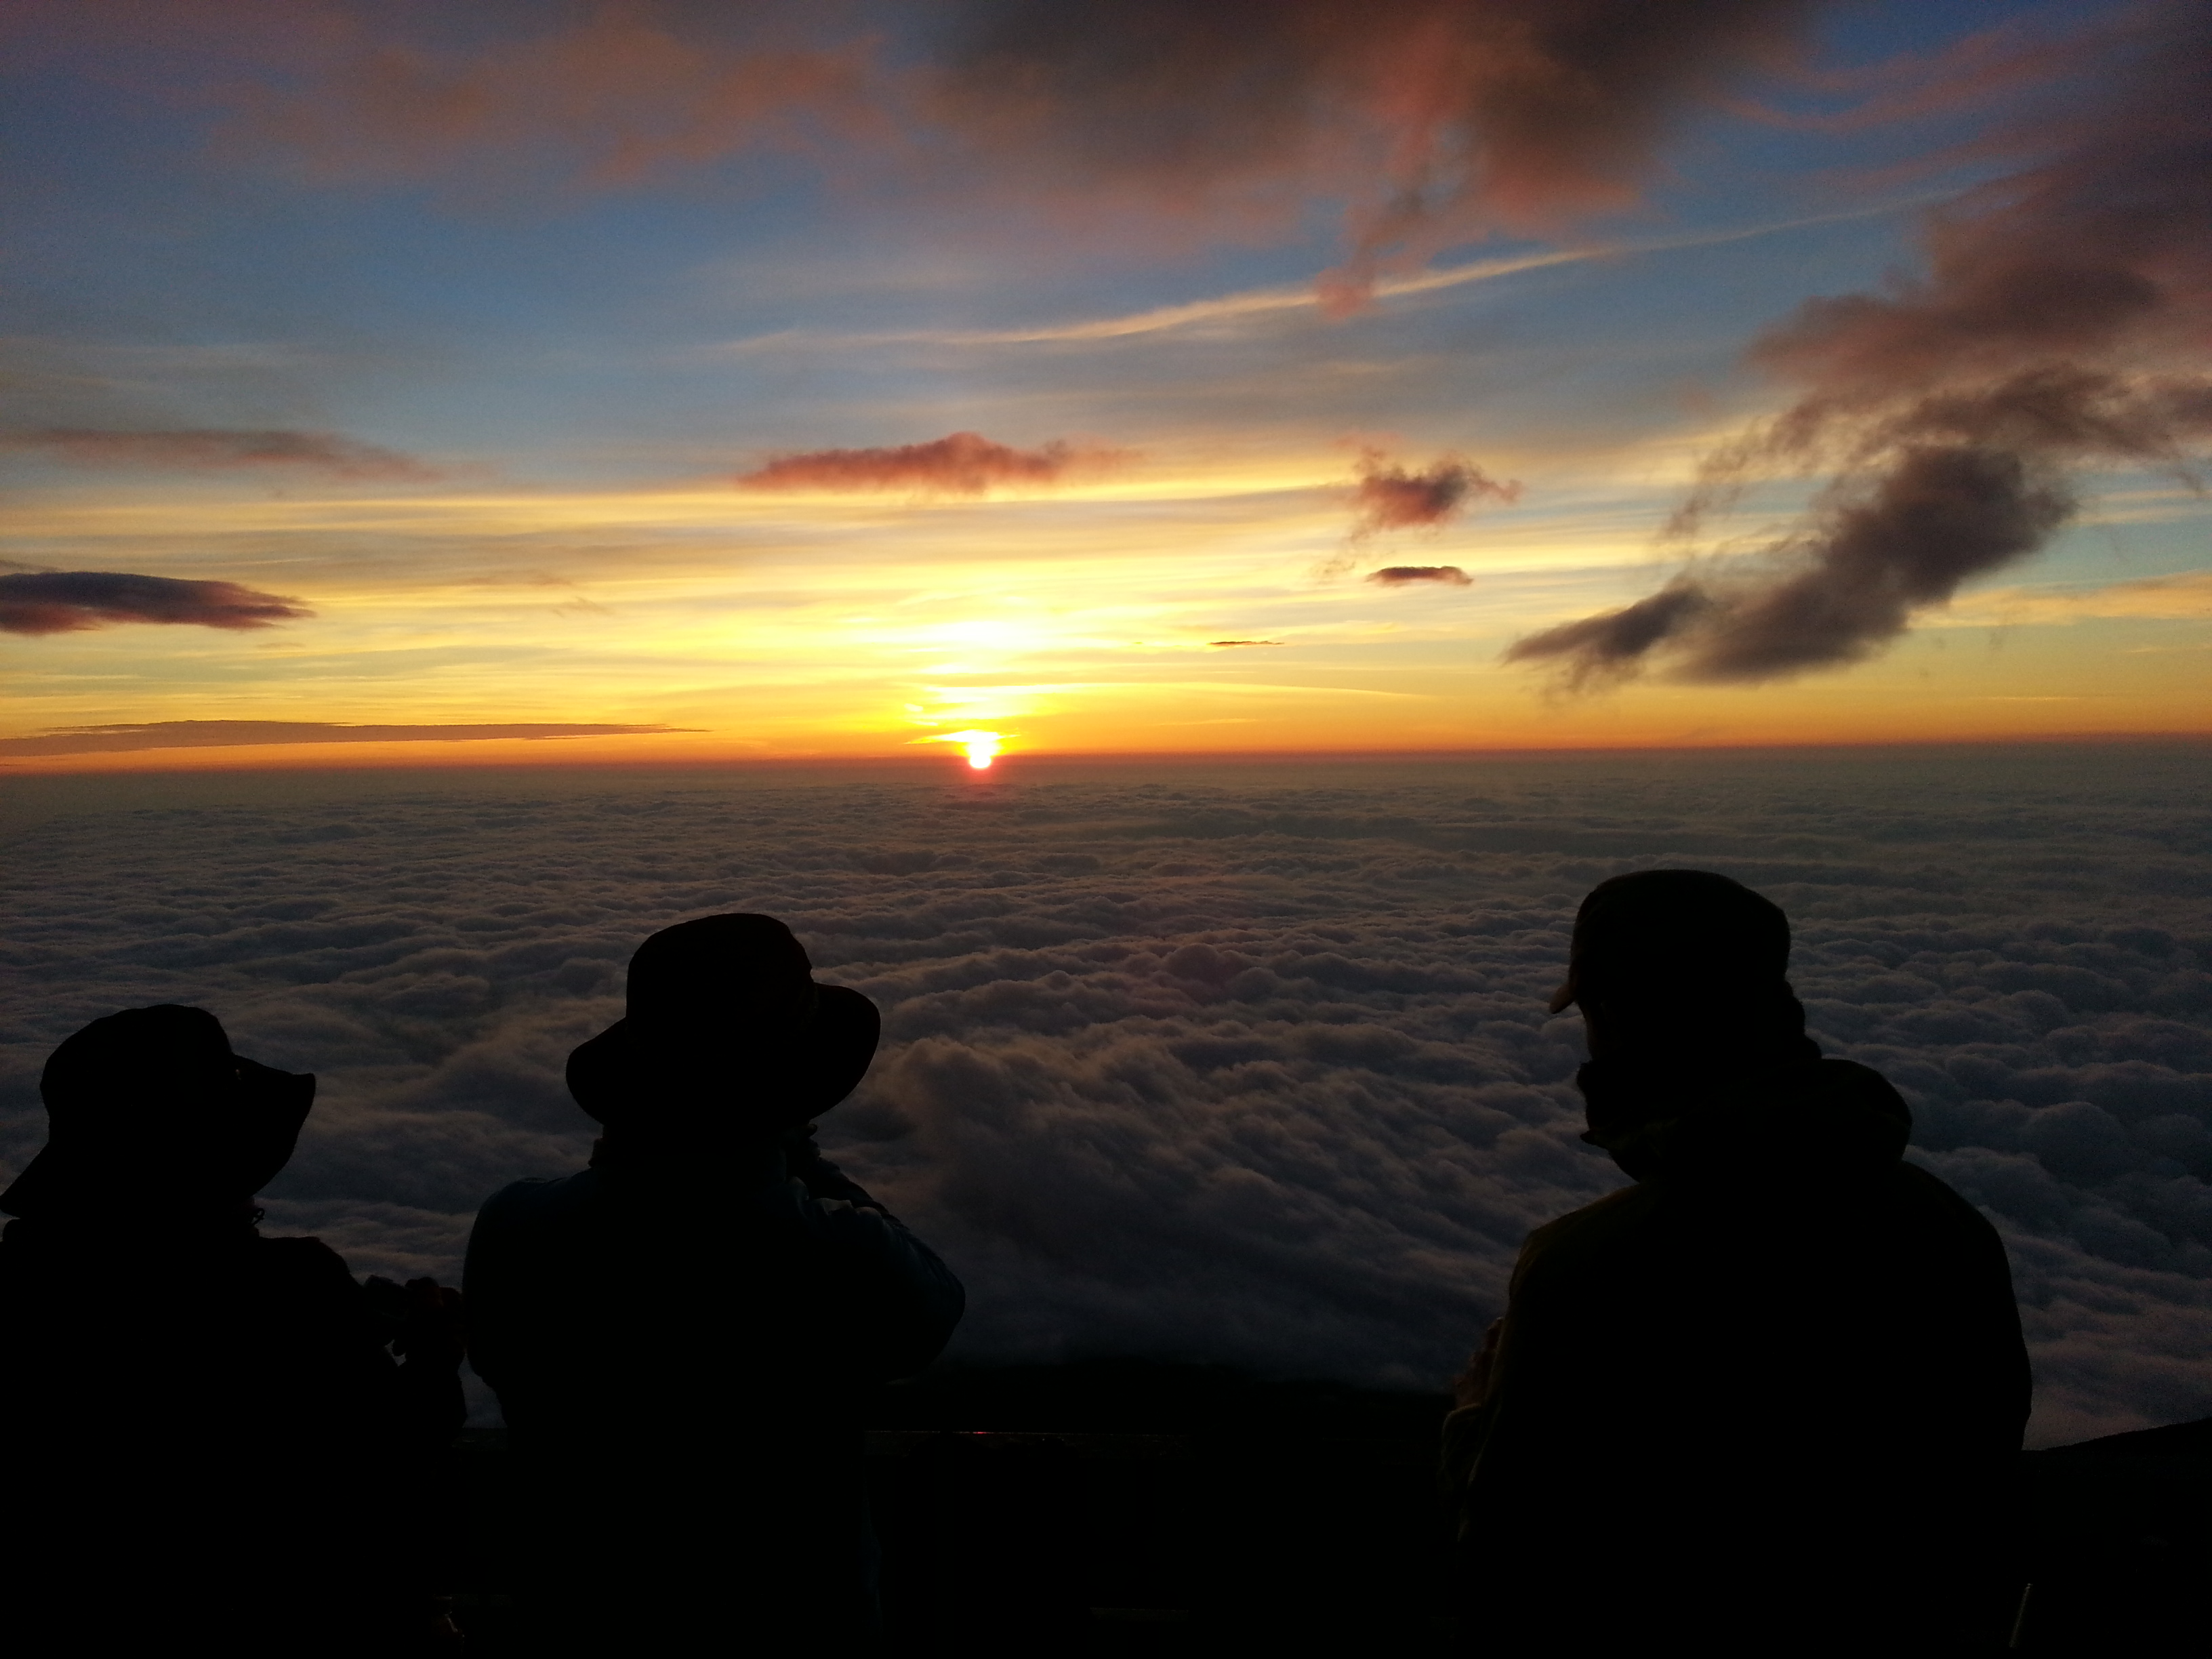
point(205, 1431)
point(1127, 1506)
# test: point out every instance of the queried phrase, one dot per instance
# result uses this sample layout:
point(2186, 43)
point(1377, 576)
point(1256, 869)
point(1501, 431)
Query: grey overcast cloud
point(1236, 1062)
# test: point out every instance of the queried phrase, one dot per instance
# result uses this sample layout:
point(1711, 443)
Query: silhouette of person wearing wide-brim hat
point(680, 1333)
point(204, 1433)
point(1768, 1399)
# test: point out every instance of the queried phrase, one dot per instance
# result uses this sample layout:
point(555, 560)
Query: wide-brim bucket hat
point(725, 1026)
point(149, 1109)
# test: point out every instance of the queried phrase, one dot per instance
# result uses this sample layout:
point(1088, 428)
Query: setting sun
point(982, 747)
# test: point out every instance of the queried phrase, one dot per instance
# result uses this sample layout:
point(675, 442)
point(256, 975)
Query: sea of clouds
point(1239, 1062)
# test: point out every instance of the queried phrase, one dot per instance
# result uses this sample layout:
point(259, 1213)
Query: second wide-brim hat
point(725, 1028)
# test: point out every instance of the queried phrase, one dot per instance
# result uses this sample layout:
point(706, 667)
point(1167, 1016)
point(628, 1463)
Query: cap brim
point(1563, 998)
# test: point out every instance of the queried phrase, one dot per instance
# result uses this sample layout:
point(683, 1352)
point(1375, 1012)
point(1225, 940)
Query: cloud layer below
point(1249, 1066)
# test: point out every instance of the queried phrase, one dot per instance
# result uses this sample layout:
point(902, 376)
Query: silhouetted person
point(206, 1442)
point(681, 1334)
point(1767, 1400)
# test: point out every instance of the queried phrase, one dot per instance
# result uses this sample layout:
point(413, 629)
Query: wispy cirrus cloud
point(74, 601)
point(960, 464)
point(216, 448)
point(2182, 596)
point(1247, 304)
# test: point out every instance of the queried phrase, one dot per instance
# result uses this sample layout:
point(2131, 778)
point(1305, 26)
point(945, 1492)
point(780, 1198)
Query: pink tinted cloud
point(1389, 496)
point(1440, 119)
point(1437, 121)
point(202, 449)
point(621, 95)
point(74, 601)
point(961, 464)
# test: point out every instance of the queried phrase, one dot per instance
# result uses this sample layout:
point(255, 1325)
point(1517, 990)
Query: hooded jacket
point(1767, 1399)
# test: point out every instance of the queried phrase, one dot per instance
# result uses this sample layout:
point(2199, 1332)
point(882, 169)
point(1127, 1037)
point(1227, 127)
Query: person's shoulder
point(1594, 1227)
point(539, 1198)
point(1923, 1191)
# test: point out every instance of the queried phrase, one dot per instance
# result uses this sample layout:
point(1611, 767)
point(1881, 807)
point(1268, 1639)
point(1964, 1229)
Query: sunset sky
point(544, 366)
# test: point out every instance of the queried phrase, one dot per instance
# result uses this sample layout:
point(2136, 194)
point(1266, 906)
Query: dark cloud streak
point(1408, 576)
point(217, 448)
point(74, 601)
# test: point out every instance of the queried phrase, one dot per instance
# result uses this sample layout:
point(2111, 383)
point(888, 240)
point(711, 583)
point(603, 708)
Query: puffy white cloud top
point(1247, 1064)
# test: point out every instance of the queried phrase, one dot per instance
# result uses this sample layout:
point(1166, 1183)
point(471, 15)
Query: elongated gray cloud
point(225, 734)
point(2062, 322)
point(72, 601)
point(1412, 576)
point(204, 448)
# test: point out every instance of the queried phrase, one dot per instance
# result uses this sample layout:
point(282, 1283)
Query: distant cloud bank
point(218, 734)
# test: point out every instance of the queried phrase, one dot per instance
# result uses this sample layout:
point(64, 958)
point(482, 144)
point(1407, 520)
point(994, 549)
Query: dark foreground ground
point(1124, 1508)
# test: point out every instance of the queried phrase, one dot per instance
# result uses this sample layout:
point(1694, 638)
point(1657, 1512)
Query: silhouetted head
point(725, 1031)
point(149, 1110)
point(1667, 963)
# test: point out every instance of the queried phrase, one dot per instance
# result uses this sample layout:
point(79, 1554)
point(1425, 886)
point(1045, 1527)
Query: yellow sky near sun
point(1085, 619)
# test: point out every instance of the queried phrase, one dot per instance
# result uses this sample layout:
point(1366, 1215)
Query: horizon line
point(933, 763)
